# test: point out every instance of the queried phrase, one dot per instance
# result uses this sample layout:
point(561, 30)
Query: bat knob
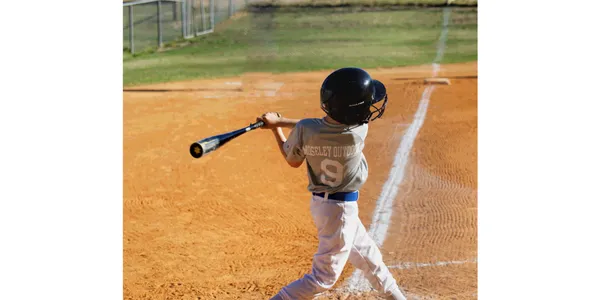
point(196, 150)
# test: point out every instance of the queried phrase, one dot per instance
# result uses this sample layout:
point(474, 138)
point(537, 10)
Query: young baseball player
point(333, 149)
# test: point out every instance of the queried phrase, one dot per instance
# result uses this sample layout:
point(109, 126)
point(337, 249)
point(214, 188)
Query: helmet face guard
point(379, 94)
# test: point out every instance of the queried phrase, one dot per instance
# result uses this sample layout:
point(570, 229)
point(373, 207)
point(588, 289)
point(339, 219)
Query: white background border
point(538, 155)
point(61, 153)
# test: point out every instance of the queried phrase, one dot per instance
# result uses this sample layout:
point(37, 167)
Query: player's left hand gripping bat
point(210, 144)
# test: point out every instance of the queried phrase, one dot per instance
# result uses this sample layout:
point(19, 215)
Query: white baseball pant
point(342, 238)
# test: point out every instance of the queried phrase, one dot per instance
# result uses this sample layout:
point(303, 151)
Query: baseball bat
point(210, 144)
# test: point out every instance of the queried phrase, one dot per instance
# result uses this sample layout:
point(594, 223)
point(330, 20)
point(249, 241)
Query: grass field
point(315, 39)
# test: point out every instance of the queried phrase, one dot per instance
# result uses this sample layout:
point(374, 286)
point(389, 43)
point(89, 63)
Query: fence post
point(202, 15)
point(131, 45)
point(230, 8)
point(193, 16)
point(174, 4)
point(192, 21)
point(160, 31)
point(212, 14)
point(216, 10)
point(183, 25)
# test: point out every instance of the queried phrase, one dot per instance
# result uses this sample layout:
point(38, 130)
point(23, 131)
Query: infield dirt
point(236, 223)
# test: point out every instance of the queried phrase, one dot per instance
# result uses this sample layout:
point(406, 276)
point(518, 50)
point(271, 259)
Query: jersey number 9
point(334, 170)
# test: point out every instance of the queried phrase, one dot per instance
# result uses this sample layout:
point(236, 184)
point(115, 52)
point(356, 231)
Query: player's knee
point(324, 280)
point(307, 287)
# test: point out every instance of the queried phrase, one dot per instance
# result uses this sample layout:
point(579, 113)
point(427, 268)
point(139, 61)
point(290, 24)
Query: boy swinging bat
point(332, 147)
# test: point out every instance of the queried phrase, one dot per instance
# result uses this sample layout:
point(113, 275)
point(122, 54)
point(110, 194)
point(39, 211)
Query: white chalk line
point(442, 40)
point(413, 265)
point(383, 210)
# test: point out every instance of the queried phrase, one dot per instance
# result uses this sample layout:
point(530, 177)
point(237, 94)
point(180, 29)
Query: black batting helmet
point(348, 94)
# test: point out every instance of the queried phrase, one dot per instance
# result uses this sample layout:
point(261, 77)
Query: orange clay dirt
point(235, 224)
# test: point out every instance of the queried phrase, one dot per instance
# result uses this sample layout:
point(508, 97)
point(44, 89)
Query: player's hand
point(271, 120)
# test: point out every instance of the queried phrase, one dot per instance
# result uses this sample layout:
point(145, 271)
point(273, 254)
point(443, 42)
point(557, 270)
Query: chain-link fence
point(148, 24)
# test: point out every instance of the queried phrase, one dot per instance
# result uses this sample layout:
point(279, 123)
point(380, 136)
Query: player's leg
point(335, 242)
point(366, 256)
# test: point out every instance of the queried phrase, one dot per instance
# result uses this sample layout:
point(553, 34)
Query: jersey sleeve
point(293, 146)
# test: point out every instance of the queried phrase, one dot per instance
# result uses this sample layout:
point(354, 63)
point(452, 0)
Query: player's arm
point(281, 139)
point(287, 123)
point(290, 148)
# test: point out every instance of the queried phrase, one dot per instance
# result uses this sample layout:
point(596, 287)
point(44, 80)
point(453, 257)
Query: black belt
point(340, 196)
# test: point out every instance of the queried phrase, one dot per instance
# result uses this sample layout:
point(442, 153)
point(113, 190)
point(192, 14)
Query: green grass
point(307, 40)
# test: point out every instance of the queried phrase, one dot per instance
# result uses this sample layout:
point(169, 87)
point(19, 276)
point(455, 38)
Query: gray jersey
point(333, 153)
